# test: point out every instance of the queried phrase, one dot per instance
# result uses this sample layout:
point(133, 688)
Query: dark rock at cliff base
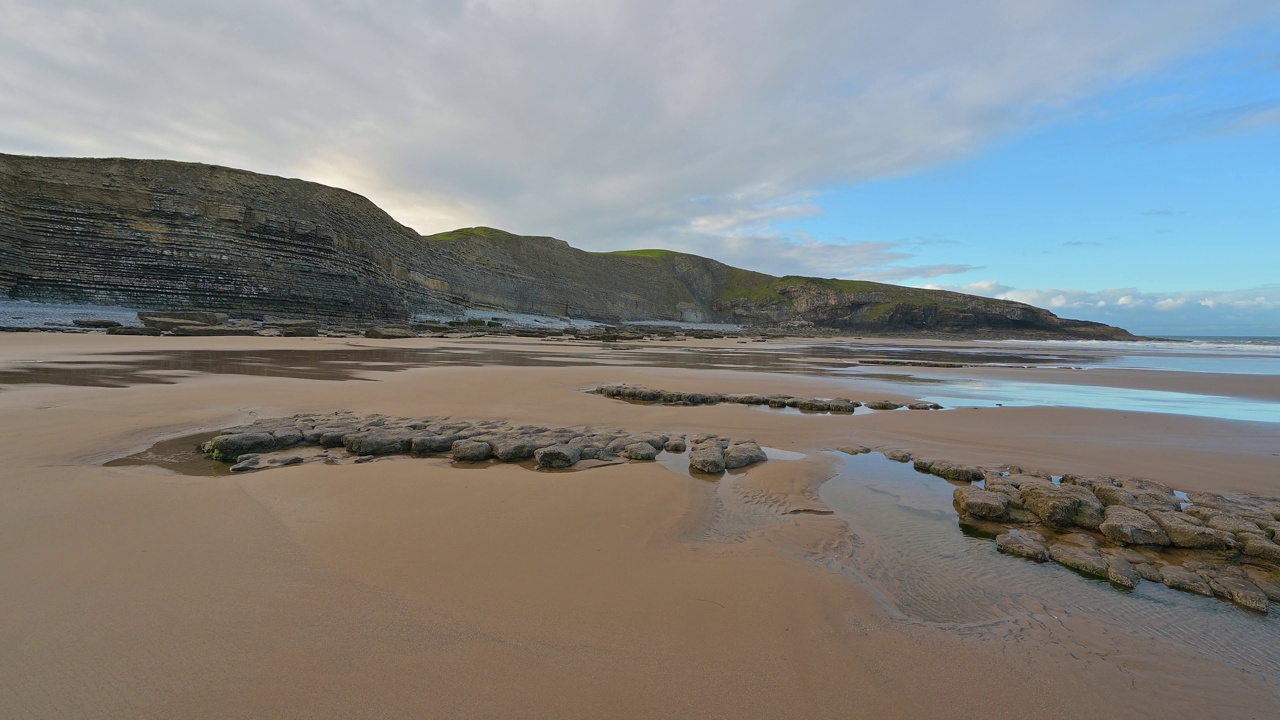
point(95, 324)
point(152, 319)
point(127, 330)
point(390, 333)
point(212, 330)
point(294, 328)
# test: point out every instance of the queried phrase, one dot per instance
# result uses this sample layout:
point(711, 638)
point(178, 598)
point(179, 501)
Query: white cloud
point(608, 123)
point(1251, 311)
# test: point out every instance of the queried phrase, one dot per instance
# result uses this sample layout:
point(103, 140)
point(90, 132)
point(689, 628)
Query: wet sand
point(409, 588)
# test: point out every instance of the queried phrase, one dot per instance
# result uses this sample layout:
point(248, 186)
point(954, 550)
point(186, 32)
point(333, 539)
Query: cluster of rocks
point(259, 444)
point(636, 393)
point(1125, 529)
point(202, 324)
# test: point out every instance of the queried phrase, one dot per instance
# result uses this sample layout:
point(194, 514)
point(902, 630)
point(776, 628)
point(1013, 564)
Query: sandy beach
point(411, 588)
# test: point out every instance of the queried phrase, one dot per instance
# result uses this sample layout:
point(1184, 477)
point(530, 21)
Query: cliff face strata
point(169, 235)
point(177, 235)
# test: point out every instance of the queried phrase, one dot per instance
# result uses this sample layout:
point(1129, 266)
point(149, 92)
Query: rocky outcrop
point(1125, 530)
point(365, 437)
point(184, 236)
point(638, 394)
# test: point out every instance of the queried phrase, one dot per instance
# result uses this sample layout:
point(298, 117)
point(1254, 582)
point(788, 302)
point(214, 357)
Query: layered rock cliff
point(169, 235)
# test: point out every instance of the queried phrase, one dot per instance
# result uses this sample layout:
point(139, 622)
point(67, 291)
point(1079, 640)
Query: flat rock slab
point(1084, 560)
point(371, 436)
point(816, 405)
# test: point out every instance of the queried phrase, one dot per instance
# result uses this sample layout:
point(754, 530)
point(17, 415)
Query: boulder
point(153, 332)
point(377, 443)
point(882, 405)
point(743, 454)
point(294, 328)
point(187, 316)
point(1239, 591)
point(1127, 526)
point(854, 449)
point(1233, 525)
point(1062, 506)
point(1121, 572)
point(513, 448)
point(1182, 579)
point(1023, 543)
point(1080, 559)
point(1258, 546)
point(1184, 532)
point(247, 463)
point(975, 502)
point(997, 485)
point(1148, 572)
point(389, 332)
point(707, 458)
point(901, 456)
point(814, 405)
point(558, 456)
point(842, 405)
point(287, 437)
point(229, 448)
point(1268, 588)
point(471, 450)
point(959, 473)
point(212, 330)
point(654, 439)
point(639, 451)
point(675, 445)
point(427, 444)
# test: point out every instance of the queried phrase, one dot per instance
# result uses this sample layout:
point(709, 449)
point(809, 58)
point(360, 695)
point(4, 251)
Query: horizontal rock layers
point(179, 236)
point(1126, 529)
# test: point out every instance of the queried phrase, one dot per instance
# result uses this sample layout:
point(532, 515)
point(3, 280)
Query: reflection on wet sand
point(137, 368)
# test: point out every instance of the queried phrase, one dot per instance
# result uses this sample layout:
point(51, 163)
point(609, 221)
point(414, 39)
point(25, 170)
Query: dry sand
point(408, 588)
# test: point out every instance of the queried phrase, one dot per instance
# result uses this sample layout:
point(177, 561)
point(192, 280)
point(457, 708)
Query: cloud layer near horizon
point(1237, 312)
point(608, 123)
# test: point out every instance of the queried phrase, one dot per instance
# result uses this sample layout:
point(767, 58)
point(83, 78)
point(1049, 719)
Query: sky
point(1108, 160)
